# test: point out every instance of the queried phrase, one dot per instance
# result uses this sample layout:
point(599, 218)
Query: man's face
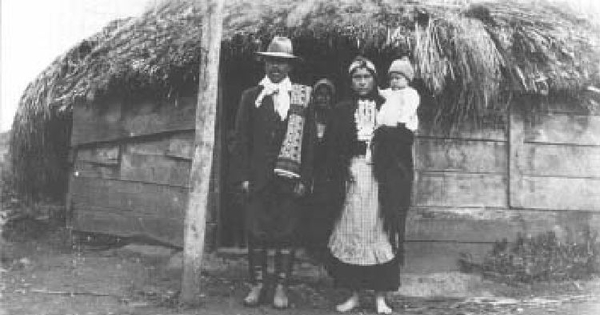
point(362, 81)
point(277, 69)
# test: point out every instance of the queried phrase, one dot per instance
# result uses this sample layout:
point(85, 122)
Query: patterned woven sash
point(290, 155)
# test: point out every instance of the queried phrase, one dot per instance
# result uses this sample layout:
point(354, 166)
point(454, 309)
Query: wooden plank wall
point(131, 169)
point(557, 168)
point(114, 119)
point(460, 187)
point(561, 162)
point(530, 173)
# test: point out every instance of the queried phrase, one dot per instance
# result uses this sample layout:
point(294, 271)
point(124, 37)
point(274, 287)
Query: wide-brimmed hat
point(280, 47)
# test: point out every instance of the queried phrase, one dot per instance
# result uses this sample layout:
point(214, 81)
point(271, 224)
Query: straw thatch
point(468, 59)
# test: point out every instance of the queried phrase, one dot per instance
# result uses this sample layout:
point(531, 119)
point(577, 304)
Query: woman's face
point(362, 81)
point(323, 97)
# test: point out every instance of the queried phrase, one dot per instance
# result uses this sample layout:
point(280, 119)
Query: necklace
point(364, 116)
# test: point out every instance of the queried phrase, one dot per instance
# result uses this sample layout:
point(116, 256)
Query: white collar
point(280, 92)
point(270, 87)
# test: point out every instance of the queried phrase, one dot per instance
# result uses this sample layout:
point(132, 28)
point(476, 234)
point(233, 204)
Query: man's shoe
point(256, 295)
point(280, 298)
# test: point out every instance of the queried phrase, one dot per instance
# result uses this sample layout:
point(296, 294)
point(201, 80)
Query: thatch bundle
point(468, 59)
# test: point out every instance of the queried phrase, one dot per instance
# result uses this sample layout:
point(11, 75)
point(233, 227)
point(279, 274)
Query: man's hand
point(300, 190)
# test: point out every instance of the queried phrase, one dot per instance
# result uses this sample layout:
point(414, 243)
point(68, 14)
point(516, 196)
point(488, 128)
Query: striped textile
point(359, 238)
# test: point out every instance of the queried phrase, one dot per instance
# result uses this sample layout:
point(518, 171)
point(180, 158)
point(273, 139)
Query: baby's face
point(397, 81)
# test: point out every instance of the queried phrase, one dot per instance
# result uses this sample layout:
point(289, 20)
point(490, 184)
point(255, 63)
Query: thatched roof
point(468, 58)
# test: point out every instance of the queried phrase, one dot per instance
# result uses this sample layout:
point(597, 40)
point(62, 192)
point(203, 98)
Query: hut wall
point(530, 173)
point(131, 167)
point(459, 195)
point(525, 173)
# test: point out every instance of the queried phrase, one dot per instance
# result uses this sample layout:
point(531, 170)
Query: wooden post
point(195, 216)
point(516, 140)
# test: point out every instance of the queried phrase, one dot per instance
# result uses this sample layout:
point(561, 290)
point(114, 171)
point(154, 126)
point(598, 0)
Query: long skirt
point(362, 256)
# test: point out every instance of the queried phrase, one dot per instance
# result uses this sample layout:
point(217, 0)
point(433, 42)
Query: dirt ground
point(42, 273)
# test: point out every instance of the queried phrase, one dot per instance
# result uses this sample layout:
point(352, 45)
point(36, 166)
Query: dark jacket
point(259, 133)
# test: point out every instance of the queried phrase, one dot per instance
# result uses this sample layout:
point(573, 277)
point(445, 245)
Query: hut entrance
point(236, 75)
point(320, 61)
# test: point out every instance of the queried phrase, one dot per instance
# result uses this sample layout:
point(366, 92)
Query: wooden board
point(559, 193)
point(516, 136)
point(565, 107)
point(96, 170)
point(155, 169)
point(102, 220)
point(460, 189)
point(157, 145)
point(106, 154)
point(128, 196)
point(151, 118)
point(564, 128)
point(113, 120)
point(162, 159)
point(461, 155)
point(464, 131)
point(432, 257)
point(561, 160)
point(182, 146)
point(107, 221)
point(178, 145)
point(97, 122)
point(462, 224)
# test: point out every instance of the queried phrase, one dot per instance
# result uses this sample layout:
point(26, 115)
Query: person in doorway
point(315, 211)
point(323, 99)
point(272, 162)
point(370, 169)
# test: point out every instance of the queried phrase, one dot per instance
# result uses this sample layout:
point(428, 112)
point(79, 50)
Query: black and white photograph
point(229, 157)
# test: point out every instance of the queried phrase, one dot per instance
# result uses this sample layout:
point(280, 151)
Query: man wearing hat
point(272, 162)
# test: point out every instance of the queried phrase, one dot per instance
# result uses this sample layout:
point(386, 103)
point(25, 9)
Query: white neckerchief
point(280, 92)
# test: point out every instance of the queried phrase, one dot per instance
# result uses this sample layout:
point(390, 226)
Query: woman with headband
point(365, 241)
point(323, 99)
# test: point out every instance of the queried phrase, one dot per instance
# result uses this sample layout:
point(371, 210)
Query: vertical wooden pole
point(516, 140)
point(195, 216)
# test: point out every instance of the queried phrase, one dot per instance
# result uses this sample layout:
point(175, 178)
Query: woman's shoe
point(350, 304)
point(381, 306)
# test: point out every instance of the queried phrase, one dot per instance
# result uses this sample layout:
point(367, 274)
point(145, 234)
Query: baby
point(402, 101)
